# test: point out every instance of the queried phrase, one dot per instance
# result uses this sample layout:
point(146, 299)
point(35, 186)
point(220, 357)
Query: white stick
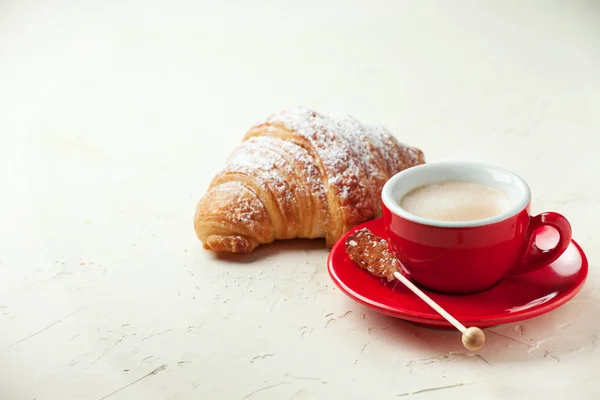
point(430, 302)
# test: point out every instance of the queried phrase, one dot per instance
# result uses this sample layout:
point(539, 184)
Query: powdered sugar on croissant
point(300, 174)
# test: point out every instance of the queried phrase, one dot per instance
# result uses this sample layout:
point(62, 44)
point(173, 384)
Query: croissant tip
point(229, 244)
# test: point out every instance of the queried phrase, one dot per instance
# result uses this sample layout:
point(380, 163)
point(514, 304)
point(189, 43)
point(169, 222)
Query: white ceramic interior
point(400, 184)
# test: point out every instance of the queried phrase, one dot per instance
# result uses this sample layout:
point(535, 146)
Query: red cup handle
point(535, 258)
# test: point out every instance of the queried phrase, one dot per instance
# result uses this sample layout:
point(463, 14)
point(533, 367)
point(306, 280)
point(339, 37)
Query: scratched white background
point(115, 115)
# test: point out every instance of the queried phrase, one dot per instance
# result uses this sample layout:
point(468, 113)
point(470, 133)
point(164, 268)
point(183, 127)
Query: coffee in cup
point(459, 227)
point(455, 201)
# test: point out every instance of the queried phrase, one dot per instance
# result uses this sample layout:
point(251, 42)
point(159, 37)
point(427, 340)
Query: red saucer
point(515, 298)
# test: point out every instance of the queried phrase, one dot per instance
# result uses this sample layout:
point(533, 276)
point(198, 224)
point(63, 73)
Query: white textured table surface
point(114, 116)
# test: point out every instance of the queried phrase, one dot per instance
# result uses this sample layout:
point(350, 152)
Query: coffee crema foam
point(455, 201)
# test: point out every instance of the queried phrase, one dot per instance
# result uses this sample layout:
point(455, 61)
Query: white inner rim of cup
point(499, 178)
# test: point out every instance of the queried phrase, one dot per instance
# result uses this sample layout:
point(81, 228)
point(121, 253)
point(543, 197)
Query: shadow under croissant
point(265, 251)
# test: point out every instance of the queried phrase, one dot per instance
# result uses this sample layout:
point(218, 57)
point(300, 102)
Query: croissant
point(299, 174)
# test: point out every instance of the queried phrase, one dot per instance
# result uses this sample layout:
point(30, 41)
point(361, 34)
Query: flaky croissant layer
point(299, 174)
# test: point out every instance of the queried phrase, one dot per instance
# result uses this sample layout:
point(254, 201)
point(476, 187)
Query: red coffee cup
point(460, 257)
